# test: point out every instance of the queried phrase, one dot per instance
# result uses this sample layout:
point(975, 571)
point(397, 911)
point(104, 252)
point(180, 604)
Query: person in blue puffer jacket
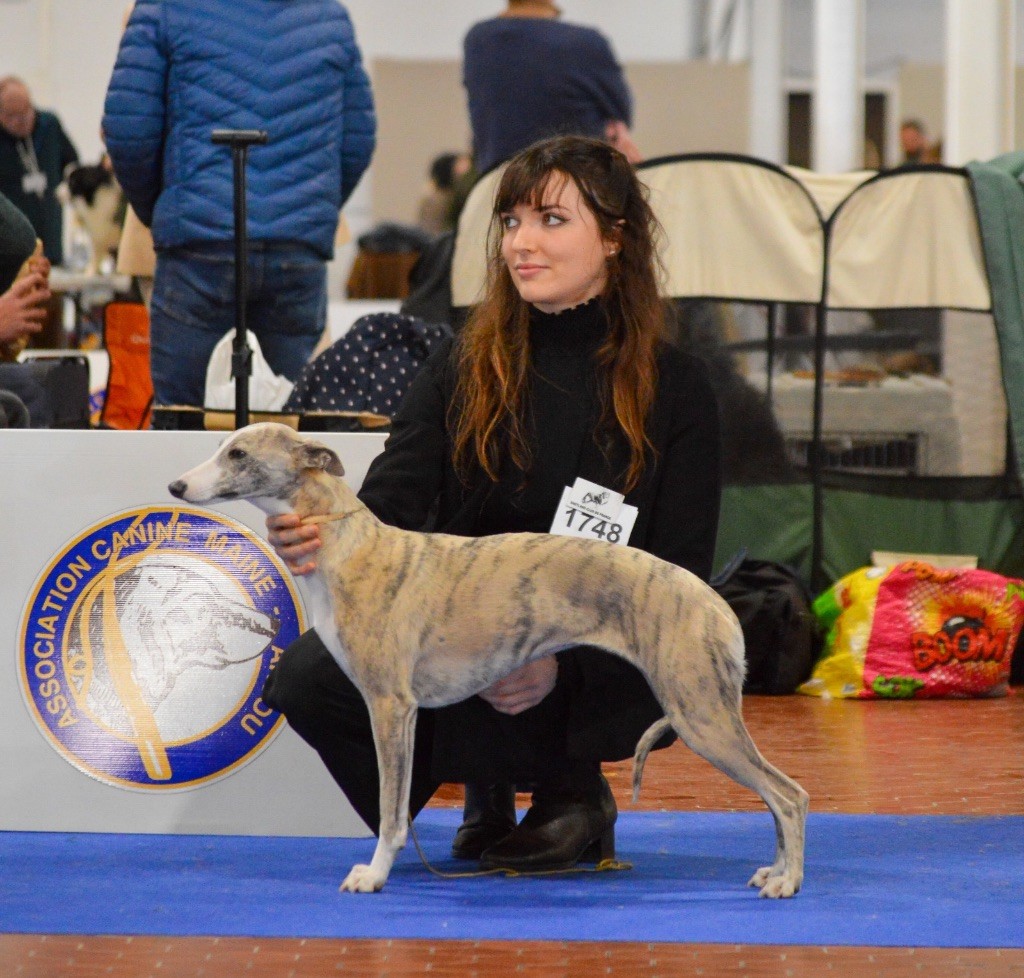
point(184, 69)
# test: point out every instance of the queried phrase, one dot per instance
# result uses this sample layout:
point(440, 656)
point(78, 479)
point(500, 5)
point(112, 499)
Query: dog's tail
point(643, 748)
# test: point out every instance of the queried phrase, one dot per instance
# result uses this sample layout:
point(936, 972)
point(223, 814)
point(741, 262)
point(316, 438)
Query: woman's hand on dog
point(524, 688)
point(294, 542)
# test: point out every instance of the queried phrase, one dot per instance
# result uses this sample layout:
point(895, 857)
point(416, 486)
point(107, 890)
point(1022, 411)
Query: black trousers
point(329, 713)
point(469, 741)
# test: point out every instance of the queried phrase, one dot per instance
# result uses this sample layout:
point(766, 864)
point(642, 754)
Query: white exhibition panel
point(62, 489)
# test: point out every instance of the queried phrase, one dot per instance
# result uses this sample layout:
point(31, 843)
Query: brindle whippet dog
point(428, 619)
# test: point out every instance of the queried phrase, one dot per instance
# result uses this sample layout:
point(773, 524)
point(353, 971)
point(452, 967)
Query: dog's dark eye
point(236, 453)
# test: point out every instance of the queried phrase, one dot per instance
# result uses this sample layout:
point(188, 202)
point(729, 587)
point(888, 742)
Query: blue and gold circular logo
point(146, 642)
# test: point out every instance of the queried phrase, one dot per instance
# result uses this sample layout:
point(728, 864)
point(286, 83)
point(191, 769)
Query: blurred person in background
point(184, 70)
point(529, 75)
point(34, 151)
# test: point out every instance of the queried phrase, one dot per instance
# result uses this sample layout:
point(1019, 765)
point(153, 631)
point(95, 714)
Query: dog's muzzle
point(177, 488)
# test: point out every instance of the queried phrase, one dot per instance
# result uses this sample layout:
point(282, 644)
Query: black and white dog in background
point(95, 198)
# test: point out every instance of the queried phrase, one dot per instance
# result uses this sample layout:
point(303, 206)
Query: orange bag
point(129, 398)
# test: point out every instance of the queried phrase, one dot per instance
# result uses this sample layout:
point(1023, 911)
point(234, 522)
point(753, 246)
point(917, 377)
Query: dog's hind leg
point(711, 724)
point(394, 727)
point(735, 754)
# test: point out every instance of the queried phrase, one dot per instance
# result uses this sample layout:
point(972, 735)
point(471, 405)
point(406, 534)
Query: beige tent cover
point(737, 228)
point(908, 240)
point(829, 190)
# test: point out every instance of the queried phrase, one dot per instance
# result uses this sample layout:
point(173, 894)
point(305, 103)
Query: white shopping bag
point(267, 391)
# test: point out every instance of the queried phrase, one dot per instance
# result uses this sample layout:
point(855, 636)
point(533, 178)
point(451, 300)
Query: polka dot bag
point(369, 368)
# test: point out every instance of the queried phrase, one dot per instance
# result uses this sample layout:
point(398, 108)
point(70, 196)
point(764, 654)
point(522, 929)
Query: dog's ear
point(317, 456)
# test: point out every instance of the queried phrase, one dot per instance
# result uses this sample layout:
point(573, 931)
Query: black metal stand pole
point(241, 356)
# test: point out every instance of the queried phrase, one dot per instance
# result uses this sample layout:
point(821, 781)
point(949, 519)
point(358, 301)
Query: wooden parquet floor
point(942, 757)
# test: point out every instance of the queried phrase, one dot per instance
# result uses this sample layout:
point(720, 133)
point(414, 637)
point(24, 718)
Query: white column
point(979, 80)
point(767, 81)
point(837, 116)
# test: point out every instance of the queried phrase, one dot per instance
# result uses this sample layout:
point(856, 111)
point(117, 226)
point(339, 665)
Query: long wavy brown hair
point(493, 353)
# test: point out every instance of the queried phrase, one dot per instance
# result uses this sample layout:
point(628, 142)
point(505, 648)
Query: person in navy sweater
point(529, 76)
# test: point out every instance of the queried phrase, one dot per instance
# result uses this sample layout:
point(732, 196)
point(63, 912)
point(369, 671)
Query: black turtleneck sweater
point(561, 410)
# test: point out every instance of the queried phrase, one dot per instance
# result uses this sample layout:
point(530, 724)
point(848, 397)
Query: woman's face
point(555, 252)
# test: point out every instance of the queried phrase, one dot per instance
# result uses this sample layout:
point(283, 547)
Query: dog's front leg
point(394, 726)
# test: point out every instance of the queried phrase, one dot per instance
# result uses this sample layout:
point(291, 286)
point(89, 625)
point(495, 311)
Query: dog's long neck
point(320, 497)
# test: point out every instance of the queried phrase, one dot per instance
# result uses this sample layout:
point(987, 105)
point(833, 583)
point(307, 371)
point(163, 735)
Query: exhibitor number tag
point(593, 512)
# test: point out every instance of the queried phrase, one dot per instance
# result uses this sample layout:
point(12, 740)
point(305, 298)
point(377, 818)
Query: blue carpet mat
point(929, 881)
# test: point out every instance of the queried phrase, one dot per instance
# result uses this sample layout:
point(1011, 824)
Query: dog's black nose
point(177, 488)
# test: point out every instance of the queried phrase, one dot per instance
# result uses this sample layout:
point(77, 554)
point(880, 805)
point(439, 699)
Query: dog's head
point(82, 182)
point(261, 461)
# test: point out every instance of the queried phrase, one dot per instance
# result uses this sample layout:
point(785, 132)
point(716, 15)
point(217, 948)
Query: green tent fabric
point(999, 199)
point(858, 521)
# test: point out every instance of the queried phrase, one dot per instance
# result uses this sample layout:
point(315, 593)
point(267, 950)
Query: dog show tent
point(739, 229)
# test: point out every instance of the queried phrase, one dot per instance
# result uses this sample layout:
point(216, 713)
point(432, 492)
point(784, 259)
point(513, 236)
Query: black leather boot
point(565, 825)
point(488, 816)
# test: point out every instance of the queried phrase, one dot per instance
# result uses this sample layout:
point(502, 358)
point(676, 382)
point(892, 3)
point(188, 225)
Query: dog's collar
point(317, 518)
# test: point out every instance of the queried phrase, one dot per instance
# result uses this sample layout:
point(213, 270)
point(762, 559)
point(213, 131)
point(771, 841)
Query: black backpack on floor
point(779, 628)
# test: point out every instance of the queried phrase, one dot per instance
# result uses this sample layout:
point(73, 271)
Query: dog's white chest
point(316, 599)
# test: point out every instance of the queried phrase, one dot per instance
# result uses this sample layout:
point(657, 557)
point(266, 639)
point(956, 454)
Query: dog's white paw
point(775, 882)
point(362, 879)
point(774, 887)
point(778, 887)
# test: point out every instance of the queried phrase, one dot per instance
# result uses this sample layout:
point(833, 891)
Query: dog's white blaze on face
point(200, 483)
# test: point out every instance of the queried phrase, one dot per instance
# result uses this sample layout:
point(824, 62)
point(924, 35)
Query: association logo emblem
point(146, 642)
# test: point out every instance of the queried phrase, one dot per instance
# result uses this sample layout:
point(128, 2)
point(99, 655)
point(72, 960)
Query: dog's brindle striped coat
point(428, 619)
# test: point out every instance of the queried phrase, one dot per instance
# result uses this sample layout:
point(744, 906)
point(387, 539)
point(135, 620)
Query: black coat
point(413, 484)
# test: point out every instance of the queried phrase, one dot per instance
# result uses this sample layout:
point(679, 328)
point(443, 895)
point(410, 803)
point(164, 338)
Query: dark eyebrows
point(539, 208)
